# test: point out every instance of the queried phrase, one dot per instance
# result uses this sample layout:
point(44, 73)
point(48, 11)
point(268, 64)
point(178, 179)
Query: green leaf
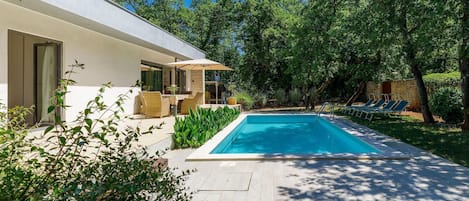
point(62, 140)
point(50, 108)
point(88, 122)
point(87, 111)
point(48, 129)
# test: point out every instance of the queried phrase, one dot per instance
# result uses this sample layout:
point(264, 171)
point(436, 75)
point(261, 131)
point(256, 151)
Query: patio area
point(423, 177)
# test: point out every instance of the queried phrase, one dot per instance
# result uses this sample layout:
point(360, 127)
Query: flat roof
point(111, 19)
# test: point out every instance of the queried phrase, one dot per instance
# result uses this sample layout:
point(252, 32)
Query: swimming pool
point(290, 134)
point(295, 136)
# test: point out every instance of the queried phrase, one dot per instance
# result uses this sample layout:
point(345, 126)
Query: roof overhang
point(108, 18)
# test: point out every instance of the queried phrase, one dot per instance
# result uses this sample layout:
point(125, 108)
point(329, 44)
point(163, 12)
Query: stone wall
point(400, 90)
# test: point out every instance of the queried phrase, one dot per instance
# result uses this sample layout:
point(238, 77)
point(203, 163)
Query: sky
point(187, 3)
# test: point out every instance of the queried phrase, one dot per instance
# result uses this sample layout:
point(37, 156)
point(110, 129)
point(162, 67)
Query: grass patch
point(449, 143)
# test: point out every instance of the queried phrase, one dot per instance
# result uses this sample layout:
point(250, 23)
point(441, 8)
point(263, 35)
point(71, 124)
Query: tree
point(209, 25)
point(409, 48)
point(311, 45)
point(167, 14)
point(258, 16)
point(421, 27)
point(464, 60)
point(317, 47)
point(266, 35)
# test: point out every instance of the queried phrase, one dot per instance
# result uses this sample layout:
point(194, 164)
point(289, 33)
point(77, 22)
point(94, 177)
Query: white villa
point(39, 39)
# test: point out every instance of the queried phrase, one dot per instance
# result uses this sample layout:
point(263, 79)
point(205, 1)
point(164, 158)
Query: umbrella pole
point(203, 84)
point(216, 92)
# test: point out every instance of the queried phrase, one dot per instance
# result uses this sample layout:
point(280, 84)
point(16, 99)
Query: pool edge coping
point(371, 137)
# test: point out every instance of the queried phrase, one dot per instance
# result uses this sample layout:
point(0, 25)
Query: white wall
point(106, 59)
point(3, 62)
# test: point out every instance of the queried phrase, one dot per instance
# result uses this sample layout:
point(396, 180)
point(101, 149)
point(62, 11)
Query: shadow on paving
point(419, 178)
point(423, 177)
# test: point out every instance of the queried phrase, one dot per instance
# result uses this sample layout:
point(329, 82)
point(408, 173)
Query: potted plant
point(232, 99)
point(173, 88)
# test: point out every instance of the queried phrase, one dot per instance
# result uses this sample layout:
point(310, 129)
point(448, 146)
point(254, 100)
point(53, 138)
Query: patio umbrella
point(200, 64)
point(203, 65)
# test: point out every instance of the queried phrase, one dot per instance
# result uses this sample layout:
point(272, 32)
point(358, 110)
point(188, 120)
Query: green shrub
point(442, 77)
point(260, 100)
point(201, 125)
point(447, 103)
point(89, 159)
point(280, 96)
point(435, 81)
point(245, 100)
point(17, 116)
point(295, 96)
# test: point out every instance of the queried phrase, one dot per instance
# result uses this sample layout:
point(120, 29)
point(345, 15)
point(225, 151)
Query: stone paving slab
point(227, 181)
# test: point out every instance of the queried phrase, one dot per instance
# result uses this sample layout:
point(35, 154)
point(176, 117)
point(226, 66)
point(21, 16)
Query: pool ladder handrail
point(331, 109)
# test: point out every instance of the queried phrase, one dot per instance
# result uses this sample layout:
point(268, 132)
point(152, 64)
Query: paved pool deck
point(422, 177)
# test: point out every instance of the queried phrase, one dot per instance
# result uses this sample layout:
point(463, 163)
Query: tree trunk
point(464, 68)
point(313, 95)
point(357, 92)
point(409, 50)
point(309, 98)
point(425, 109)
point(464, 62)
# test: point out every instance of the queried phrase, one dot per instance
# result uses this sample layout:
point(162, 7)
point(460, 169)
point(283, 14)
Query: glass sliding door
point(47, 76)
point(152, 78)
point(181, 80)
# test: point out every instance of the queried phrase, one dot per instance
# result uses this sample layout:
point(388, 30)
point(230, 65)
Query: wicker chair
point(191, 103)
point(154, 105)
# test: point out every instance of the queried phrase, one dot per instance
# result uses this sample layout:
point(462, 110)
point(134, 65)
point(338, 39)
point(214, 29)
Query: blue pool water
point(290, 134)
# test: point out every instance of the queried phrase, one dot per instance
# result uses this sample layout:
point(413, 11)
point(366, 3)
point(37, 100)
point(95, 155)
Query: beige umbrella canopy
point(203, 65)
point(199, 64)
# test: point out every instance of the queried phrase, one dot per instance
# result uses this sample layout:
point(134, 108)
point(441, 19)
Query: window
point(151, 77)
point(181, 80)
point(46, 77)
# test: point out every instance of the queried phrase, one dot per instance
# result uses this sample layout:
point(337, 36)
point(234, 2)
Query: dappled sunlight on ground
point(418, 115)
point(425, 178)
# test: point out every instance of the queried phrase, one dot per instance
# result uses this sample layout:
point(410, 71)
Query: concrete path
point(424, 177)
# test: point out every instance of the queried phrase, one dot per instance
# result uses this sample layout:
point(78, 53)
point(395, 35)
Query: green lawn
point(449, 143)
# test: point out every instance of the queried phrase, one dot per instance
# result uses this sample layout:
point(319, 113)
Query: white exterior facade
point(110, 41)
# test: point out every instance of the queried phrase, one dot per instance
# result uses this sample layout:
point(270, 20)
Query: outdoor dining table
point(174, 100)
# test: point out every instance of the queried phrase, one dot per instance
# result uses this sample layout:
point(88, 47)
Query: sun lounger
point(398, 108)
point(387, 106)
point(384, 106)
point(349, 109)
point(358, 111)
